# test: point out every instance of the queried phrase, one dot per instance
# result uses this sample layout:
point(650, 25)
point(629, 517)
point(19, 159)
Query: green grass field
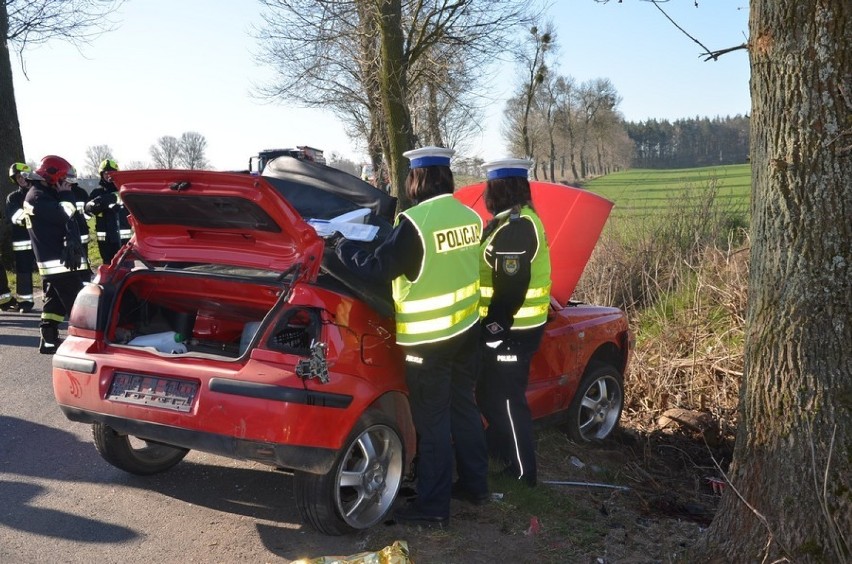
point(643, 192)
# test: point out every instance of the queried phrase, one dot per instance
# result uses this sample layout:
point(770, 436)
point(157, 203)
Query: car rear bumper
point(315, 460)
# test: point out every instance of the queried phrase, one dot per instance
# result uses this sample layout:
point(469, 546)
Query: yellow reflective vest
point(442, 301)
point(533, 312)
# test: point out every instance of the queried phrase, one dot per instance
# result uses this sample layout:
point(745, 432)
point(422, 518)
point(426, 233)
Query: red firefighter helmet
point(53, 169)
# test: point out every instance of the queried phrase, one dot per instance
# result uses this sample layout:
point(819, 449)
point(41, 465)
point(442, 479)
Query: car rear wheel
point(134, 455)
point(596, 407)
point(362, 485)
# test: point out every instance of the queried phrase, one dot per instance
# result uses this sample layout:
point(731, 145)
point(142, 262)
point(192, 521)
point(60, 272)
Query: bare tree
point(192, 148)
point(136, 165)
point(95, 156)
point(28, 22)
point(165, 152)
point(532, 56)
point(360, 57)
point(445, 110)
point(593, 97)
point(468, 166)
point(613, 147)
point(546, 106)
point(325, 54)
point(338, 161)
point(576, 126)
point(565, 91)
point(512, 127)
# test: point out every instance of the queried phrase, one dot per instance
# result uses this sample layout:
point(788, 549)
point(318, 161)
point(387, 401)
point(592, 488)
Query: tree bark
point(394, 88)
point(433, 127)
point(790, 493)
point(11, 144)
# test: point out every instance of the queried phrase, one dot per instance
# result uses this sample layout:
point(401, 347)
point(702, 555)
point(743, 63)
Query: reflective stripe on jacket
point(442, 301)
point(46, 221)
point(52, 267)
point(111, 217)
point(17, 217)
point(123, 234)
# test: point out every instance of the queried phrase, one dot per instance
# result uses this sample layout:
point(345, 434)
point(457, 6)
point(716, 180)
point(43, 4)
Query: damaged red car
point(225, 326)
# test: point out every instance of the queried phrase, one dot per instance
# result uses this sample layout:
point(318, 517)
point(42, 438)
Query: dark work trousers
point(502, 398)
point(441, 381)
point(4, 286)
point(59, 295)
point(108, 249)
point(24, 267)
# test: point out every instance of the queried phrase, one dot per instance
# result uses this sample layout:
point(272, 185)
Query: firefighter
point(515, 291)
point(80, 199)
point(21, 245)
point(430, 258)
point(111, 224)
point(49, 212)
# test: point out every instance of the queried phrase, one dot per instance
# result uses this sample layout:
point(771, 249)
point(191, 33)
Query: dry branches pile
point(682, 276)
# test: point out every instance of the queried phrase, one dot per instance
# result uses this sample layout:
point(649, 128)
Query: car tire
point(363, 483)
point(143, 459)
point(596, 408)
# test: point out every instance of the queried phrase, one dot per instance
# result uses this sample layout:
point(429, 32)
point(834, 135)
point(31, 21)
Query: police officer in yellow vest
point(515, 288)
point(431, 258)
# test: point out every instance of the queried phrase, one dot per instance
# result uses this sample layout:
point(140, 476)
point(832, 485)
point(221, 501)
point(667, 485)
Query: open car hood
point(573, 220)
point(218, 218)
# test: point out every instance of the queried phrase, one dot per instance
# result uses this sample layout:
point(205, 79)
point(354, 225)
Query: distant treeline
point(687, 143)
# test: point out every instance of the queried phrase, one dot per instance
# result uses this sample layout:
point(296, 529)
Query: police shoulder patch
point(511, 264)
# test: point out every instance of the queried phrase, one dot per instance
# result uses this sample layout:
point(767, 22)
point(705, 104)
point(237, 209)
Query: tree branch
point(716, 54)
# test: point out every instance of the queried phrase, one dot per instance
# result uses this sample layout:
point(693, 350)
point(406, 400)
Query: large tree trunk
point(394, 88)
point(791, 492)
point(433, 125)
point(369, 69)
point(11, 145)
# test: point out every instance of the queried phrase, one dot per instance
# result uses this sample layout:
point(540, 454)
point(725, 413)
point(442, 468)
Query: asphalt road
point(60, 502)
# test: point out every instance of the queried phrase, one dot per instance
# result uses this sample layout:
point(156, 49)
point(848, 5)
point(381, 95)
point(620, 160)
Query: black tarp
point(337, 192)
point(321, 192)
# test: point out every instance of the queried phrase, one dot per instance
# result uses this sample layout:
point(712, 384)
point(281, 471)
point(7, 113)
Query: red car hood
point(573, 220)
point(216, 217)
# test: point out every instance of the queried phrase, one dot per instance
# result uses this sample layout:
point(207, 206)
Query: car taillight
point(84, 314)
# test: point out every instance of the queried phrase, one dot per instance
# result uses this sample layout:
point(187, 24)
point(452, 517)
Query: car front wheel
point(362, 485)
point(133, 455)
point(596, 407)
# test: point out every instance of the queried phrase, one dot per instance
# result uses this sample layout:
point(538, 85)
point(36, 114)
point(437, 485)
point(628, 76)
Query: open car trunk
point(212, 311)
point(222, 311)
point(214, 252)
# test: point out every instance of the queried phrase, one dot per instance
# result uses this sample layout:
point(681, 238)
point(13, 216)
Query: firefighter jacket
point(442, 300)
point(81, 197)
point(47, 211)
point(111, 223)
point(15, 213)
point(514, 273)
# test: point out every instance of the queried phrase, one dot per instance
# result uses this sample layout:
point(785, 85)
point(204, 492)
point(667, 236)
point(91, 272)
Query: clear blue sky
point(187, 65)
